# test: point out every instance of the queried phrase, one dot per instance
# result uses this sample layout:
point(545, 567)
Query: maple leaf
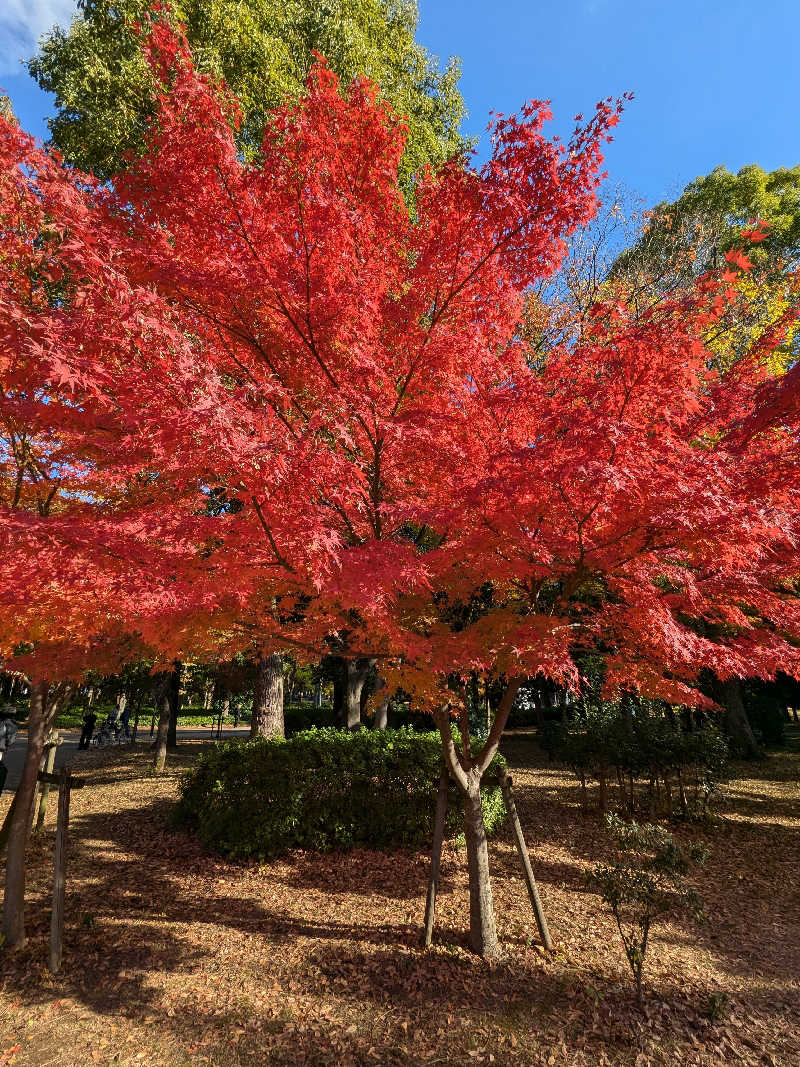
point(738, 259)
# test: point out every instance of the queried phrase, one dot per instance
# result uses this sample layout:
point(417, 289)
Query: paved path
point(15, 757)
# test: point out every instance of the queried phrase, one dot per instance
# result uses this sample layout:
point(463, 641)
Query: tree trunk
point(737, 725)
point(382, 714)
point(537, 707)
point(160, 757)
point(382, 705)
point(339, 688)
point(136, 714)
point(626, 707)
point(49, 762)
point(436, 855)
point(524, 855)
point(174, 697)
point(267, 719)
point(43, 711)
point(467, 770)
point(562, 702)
point(482, 929)
point(355, 677)
point(363, 699)
point(208, 694)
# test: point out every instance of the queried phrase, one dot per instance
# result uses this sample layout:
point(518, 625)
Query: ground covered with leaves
point(175, 957)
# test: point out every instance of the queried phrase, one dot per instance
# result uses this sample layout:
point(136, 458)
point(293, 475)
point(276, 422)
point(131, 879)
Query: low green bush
point(296, 718)
point(203, 719)
point(71, 719)
point(322, 789)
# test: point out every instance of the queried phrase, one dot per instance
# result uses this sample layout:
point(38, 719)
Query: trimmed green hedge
point(202, 719)
point(323, 789)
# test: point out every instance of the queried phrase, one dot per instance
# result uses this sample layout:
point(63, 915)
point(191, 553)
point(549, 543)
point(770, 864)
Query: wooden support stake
point(59, 873)
point(530, 881)
point(436, 855)
point(65, 782)
point(44, 791)
point(5, 829)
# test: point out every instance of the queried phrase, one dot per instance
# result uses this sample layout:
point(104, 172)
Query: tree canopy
point(710, 214)
point(264, 49)
point(410, 486)
point(684, 238)
point(286, 335)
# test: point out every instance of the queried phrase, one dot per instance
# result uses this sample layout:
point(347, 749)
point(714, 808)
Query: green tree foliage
point(263, 49)
point(685, 238)
point(6, 110)
point(690, 235)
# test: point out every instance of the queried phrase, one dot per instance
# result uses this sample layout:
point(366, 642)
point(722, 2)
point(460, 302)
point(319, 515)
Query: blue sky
point(716, 81)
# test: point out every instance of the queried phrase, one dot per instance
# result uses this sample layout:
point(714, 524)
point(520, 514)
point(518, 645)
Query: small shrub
point(716, 1006)
point(646, 883)
point(322, 789)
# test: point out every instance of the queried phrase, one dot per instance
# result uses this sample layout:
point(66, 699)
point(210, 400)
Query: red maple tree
point(410, 485)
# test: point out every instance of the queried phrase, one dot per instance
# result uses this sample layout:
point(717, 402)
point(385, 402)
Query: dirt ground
point(175, 957)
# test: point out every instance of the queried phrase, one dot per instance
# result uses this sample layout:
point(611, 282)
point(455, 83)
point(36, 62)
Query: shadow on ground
point(316, 959)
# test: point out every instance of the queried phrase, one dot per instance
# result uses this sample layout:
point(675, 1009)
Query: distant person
point(124, 720)
point(89, 723)
point(8, 734)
